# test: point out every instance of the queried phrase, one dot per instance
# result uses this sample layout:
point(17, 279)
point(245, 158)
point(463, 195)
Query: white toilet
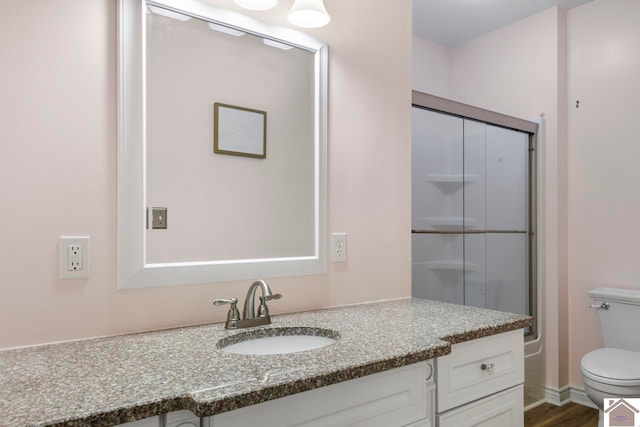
point(614, 371)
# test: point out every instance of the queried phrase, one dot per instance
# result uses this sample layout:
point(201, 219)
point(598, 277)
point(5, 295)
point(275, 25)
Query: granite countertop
point(108, 381)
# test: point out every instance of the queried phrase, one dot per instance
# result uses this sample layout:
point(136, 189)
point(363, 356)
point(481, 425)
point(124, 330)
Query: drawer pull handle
point(488, 368)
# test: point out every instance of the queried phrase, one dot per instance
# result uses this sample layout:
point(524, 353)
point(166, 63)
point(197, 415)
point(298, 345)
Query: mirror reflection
point(221, 148)
point(227, 204)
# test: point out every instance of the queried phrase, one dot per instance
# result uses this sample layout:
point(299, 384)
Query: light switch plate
point(159, 218)
point(74, 257)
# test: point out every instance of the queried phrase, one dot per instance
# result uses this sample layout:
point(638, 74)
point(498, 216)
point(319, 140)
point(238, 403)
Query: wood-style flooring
point(570, 415)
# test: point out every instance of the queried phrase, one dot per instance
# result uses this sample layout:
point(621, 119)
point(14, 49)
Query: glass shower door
point(437, 207)
point(496, 236)
point(507, 220)
point(475, 290)
point(470, 192)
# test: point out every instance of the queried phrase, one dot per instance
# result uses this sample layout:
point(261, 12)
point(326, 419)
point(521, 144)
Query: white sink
point(278, 341)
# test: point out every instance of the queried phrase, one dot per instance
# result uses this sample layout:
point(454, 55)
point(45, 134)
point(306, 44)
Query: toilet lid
point(613, 364)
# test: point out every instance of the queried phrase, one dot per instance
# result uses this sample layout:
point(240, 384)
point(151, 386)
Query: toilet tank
point(620, 322)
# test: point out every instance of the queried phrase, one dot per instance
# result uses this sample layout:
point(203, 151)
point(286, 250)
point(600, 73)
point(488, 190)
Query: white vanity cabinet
point(172, 419)
point(147, 422)
point(401, 397)
point(480, 382)
point(181, 419)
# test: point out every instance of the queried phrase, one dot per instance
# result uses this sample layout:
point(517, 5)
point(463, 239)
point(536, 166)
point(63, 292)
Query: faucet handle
point(223, 301)
point(233, 315)
point(270, 297)
point(263, 310)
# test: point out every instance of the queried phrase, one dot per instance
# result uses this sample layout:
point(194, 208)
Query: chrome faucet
point(249, 316)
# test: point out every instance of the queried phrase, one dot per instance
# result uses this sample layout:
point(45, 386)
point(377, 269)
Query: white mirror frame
point(133, 270)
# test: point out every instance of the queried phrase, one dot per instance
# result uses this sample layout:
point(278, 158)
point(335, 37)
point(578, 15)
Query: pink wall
point(431, 67)
point(222, 206)
point(58, 120)
point(603, 150)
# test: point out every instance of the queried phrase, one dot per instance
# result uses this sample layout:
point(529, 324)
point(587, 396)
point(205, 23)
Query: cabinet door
point(421, 423)
point(477, 368)
point(147, 422)
point(182, 419)
point(504, 409)
point(393, 398)
point(437, 171)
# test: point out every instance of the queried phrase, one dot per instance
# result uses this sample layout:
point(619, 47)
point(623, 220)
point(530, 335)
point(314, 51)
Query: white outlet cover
point(339, 247)
point(65, 242)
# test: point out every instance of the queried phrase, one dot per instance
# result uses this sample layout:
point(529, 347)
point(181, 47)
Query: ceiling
point(452, 22)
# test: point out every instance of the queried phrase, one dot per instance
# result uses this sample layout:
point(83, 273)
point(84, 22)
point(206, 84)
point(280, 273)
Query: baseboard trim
point(567, 394)
point(558, 396)
point(535, 405)
point(580, 397)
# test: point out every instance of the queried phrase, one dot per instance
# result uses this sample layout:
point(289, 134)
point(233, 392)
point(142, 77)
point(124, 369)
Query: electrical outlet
point(339, 248)
point(74, 257)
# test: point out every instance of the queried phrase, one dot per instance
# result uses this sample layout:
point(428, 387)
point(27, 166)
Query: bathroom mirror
point(221, 146)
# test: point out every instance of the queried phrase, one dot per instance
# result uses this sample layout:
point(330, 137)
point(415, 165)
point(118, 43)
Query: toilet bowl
point(613, 372)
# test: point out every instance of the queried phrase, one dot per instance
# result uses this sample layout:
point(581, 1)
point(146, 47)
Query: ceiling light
point(168, 13)
point(257, 4)
point(226, 30)
point(309, 14)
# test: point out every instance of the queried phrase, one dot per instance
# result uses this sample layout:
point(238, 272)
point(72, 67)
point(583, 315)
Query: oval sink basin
point(277, 341)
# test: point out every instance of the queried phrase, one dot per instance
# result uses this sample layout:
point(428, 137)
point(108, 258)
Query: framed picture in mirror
point(239, 131)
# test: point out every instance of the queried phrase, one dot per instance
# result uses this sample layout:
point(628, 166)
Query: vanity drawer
point(480, 367)
point(504, 409)
point(394, 398)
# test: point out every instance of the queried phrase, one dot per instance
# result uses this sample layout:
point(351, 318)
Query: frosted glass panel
point(437, 171)
point(507, 272)
point(507, 161)
point(475, 292)
point(470, 192)
point(474, 172)
point(438, 267)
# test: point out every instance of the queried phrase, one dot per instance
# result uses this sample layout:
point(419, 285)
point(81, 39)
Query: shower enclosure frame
point(442, 105)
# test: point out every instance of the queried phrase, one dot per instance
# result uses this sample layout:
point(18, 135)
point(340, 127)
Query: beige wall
point(58, 172)
point(603, 149)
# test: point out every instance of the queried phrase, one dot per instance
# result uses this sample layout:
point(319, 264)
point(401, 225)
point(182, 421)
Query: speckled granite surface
point(108, 381)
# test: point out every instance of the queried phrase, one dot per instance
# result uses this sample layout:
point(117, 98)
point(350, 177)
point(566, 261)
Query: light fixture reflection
point(257, 4)
point(309, 14)
point(274, 43)
point(168, 13)
point(226, 30)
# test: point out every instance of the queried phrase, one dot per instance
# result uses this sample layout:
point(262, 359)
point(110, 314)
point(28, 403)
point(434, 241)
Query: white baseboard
point(566, 394)
point(534, 405)
point(579, 396)
point(558, 397)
